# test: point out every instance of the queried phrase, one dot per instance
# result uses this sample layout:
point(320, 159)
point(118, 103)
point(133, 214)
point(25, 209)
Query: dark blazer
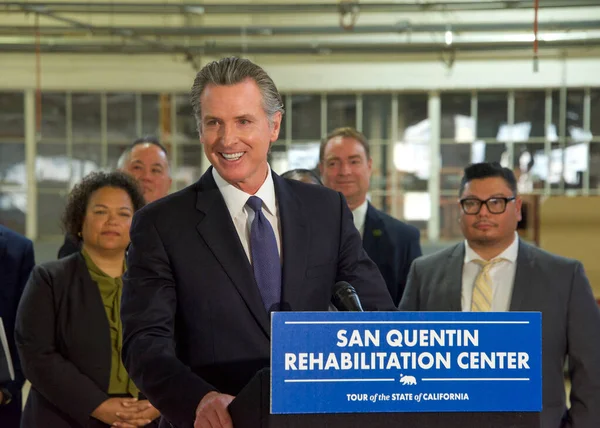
point(16, 263)
point(193, 317)
point(71, 245)
point(545, 283)
point(392, 245)
point(63, 337)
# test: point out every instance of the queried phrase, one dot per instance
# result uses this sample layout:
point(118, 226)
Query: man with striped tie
point(493, 270)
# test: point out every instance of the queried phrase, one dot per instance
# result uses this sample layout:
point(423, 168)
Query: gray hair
point(147, 139)
point(123, 159)
point(230, 71)
point(302, 174)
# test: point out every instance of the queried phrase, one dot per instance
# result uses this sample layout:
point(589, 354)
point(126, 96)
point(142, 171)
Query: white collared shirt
point(360, 216)
point(242, 215)
point(502, 275)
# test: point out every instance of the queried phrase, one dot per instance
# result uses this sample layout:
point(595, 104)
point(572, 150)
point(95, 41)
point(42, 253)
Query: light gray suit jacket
point(553, 285)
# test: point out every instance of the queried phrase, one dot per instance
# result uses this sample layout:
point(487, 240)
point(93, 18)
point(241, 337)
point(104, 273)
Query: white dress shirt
point(502, 275)
point(360, 216)
point(242, 215)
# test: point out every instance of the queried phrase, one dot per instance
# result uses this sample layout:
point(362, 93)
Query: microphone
point(344, 297)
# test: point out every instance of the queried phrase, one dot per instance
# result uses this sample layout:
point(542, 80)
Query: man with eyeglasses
point(493, 270)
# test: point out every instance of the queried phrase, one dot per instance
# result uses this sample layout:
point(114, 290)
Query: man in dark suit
point(208, 264)
point(16, 263)
point(146, 160)
point(345, 164)
point(493, 270)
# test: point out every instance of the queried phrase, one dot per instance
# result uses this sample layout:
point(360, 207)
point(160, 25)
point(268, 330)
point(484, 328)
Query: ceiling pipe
point(88, 28)
point(301, 49)
point(269, 8)
point(400, 27)
point(156, 45)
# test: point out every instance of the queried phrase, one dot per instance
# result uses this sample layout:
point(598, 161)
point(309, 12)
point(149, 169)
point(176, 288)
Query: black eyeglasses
point(495, 205)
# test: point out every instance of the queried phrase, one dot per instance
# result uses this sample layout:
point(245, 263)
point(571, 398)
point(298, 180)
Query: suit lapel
point(523, 277)
point(3, 244)
point(373, 234)
point(90, 299)
point(294, 243)
point(218, 232)
point(453, 279)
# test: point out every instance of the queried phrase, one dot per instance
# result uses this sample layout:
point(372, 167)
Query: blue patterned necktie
point(265, 256)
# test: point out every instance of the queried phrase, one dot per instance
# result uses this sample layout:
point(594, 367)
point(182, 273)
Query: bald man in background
point(146, 160)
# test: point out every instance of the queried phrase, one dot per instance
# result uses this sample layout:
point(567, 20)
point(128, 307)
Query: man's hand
point(212, 411)
point(107, 411)
point(137, 415)
point(5, 396)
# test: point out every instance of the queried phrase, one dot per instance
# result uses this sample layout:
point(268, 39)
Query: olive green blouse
point(111, 290)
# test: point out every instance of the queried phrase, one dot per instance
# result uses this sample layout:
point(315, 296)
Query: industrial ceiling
point(299, 28)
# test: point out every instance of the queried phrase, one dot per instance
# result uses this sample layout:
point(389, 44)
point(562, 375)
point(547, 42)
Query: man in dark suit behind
point(16, 263)
point(206, 265)
point(345, 164)
point(493, 270)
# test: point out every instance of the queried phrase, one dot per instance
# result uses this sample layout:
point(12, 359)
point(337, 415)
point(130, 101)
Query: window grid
point(556, 104)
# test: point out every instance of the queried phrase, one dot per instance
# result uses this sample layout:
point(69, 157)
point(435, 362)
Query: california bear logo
point(408, 380)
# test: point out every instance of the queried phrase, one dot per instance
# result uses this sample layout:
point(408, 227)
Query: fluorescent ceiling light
point(448, 37)
point(197, 10)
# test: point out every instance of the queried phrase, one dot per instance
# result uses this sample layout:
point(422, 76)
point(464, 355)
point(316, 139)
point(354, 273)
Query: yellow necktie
point(482, 291)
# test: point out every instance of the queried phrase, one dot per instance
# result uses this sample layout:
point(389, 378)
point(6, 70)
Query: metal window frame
point(434, 115)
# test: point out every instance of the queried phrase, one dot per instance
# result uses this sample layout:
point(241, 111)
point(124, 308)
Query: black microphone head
point(344, 297)
point(285, 307)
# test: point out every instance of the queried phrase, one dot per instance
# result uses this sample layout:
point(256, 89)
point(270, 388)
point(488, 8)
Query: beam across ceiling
point(262, 30)
point(162, 8)
point(91, 47)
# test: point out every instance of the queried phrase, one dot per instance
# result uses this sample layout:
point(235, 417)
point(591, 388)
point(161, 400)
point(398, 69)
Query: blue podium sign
point(348, 362)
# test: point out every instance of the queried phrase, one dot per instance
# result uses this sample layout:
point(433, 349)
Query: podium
point(376, 370)
point(250, 409)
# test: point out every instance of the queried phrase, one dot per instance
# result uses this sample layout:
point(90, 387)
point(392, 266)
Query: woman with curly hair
point(68, 328)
